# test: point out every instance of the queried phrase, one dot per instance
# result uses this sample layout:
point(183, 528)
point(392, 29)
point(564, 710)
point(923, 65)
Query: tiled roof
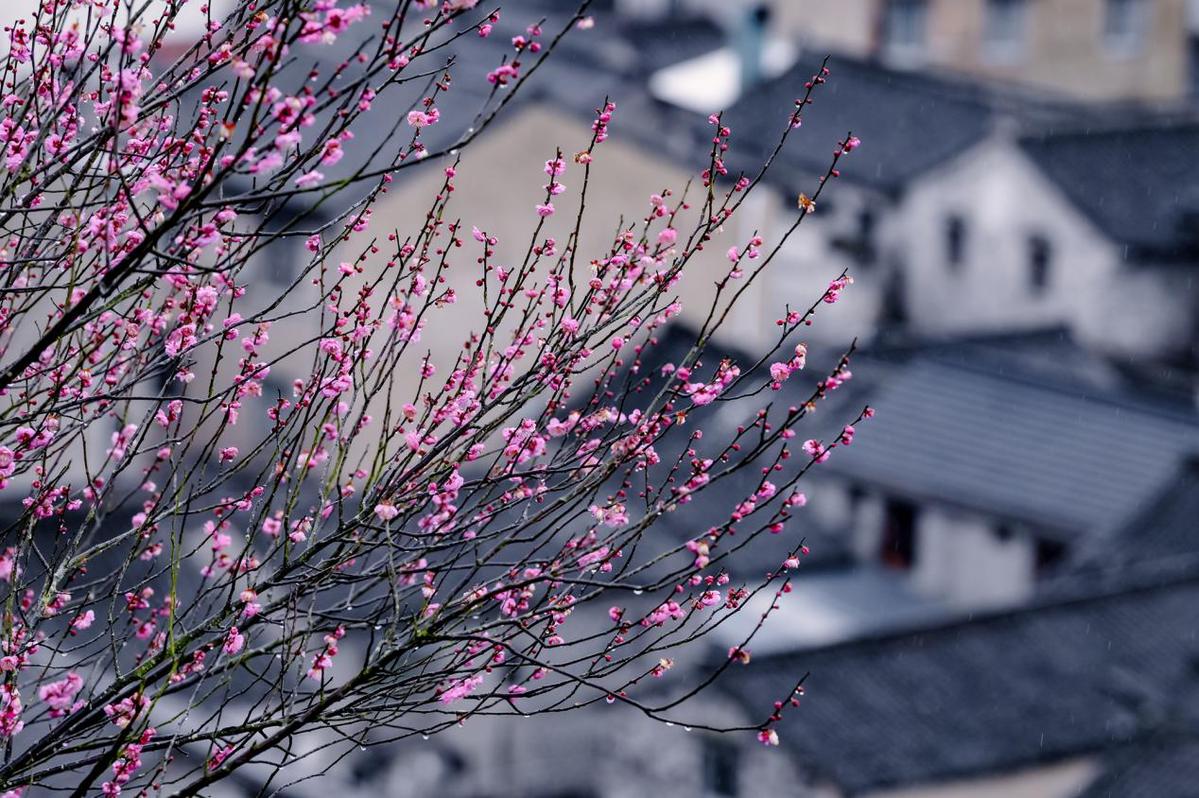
point(1014, 441)
point(1023, 427)
point(1165, 768)
point(989, 694)
point(1166, 528)
point(909, 122)
point(1137, 184)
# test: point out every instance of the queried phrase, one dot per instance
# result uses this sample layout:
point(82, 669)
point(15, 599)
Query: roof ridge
point(990, 93)
point(950, 85)
point(1121, 398)
point(1142, 584)
point(1169, 120)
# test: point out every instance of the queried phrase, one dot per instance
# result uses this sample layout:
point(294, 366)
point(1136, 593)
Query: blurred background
point(1003, 593)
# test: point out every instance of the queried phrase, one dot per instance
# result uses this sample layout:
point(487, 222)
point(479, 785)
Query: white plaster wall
point(809, 261)
point(1003, 201)
point(1113, 306)
point(1132, 308)
point(868, 528)
point(960, 559)
point(828, 500)
point(189, 21)
point(1147, 311)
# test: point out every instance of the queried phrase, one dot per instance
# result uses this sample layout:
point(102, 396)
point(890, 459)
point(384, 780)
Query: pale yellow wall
point(501, 178)
point(847, 26)
point(498, 183)
point(1064, 49)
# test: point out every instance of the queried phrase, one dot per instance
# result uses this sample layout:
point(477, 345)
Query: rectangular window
point(898, 547)
point(859, 242)
point(1193, 50)
point(288, 256)
point(282, 261)
point(1050, 553)
point(1004, 33)
point(904, 27)
point(867, 221)
point(1124, 26)
point(1040, 258)
point(720, 768)
point(955, 242)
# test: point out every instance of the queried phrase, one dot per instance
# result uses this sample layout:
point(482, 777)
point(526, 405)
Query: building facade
point(1093, 50)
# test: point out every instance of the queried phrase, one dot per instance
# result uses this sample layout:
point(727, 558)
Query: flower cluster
point(241, 453)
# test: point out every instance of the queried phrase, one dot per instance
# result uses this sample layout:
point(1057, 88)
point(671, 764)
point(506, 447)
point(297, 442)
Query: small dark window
point(1124, 25)
point(1040, 258)
point(894, 310)
point(898, 549)
point(1003, 35)
point(1193, 50)
point(858, 242)
point(867, 229)
point(281, 266)
point(955, 242)
point(867, 221)
point(1004, 533)
point(1049, 554)
point(287, 255)
point(720, 767)
point(162, 378)
point(904, 26)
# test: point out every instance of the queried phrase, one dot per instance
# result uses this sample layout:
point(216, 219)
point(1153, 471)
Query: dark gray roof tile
point(909, 122)
point(1057, 456)
point(1166, 768)
point(1137, 184)
point(990, 694)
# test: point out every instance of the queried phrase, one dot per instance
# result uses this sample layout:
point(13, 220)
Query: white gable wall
point(1004, 201)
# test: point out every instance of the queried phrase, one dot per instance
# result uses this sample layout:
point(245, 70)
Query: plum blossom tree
point(209, 570)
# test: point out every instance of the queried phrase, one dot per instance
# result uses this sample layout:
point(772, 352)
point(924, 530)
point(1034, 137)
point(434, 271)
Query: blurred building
point(981, 208)
point(1001, 596)
point(1088, 49)
point(1089, 694)
point(1092, 695)
point(997, 599)
point(1092, 226)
